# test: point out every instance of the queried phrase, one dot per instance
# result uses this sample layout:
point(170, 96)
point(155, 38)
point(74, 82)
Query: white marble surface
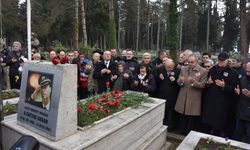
point(11, 100)
point(193, 138)
point(120, 131)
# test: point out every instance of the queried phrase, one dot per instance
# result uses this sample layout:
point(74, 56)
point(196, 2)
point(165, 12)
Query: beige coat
point(189, 98)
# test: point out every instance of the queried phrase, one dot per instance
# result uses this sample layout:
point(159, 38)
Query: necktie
point(106, 63)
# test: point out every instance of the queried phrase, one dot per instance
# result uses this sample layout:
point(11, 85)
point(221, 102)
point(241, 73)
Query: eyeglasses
point(207, 66)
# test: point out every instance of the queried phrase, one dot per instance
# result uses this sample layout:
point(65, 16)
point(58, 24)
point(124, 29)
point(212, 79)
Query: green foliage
point(100, 106)
point(112, 42)
point(172, 40)
point(87, 51)
point(9, 108)
point(57, 46)
point(231, 27)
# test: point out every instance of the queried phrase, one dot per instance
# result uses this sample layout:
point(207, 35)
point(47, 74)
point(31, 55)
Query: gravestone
point(48, 99)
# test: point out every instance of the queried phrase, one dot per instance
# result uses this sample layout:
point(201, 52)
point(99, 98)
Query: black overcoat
point(217, 99)
point(102, 79)
point(167, 89)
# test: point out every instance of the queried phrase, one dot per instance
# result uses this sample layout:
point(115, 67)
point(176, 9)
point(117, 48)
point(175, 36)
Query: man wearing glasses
point(192, 80)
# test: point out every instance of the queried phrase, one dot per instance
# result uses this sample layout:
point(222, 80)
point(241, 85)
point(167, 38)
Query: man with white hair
point(104, 71)
point(12, 60)
point(147, 61)
point(192, 80)
point(169, 90)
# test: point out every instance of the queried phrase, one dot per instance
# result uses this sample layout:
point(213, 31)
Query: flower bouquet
point(100, 106)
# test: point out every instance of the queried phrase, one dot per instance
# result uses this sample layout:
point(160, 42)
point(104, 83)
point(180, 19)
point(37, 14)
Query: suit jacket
point(189, 98)
point(167, 89)
point(103, 78)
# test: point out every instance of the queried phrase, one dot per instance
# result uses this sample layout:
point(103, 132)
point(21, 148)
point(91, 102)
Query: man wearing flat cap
point(41, 96)
point(220, 85)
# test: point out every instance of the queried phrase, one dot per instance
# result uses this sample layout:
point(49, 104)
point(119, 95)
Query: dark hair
point(206, 53)
point(160, 52)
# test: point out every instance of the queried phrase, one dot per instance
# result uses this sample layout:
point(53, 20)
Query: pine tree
point(172, 41)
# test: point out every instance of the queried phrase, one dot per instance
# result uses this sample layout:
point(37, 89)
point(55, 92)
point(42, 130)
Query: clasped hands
point(171, 78)
point(244, 91)
point(220, 83)
point(103, 71)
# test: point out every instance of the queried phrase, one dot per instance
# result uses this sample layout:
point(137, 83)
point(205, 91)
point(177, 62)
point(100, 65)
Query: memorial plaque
point(48, 99)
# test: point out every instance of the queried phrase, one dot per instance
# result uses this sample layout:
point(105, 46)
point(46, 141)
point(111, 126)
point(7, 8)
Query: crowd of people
point(203, 95)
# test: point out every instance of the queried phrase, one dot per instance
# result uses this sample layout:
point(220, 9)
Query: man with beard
point(220, 85)
point(169, 90)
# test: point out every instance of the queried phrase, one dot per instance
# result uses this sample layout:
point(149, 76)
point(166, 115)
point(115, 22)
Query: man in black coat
point(131, 62)
point(243, 109)
point(158, 62)
point(12, 60)
point(114, 55)
point(169, 90)
point(104, 71)
point(220, 85)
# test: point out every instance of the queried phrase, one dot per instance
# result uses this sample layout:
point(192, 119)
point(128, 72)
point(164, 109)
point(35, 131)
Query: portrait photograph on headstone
point(39, 89)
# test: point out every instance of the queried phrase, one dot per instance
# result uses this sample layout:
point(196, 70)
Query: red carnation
point(100, 108)
point(110, 103)
point(107, 83)
point(55, 60)
point(105, 110)
point(63, 60)
point(105, 97)
point(92, 106)
point(98, 100)
point(116, 103)
point(79, 109)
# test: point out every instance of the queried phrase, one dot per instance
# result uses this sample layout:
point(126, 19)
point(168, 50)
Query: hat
point(223, 56)
point(43, 81)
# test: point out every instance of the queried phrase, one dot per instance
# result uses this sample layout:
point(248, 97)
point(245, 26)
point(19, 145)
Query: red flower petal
point(63, 60)
point(105, 110)
point(55, 60)
point(92, 106)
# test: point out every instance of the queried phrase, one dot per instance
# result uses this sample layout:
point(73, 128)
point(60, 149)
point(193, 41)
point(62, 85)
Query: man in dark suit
point(169, 90)
point(104, 71)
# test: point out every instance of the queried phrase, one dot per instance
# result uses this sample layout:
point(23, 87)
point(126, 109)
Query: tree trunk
point(138, 26)
point(83, 20)
point(172, 34)
point(159, 27)
point(75, 27)
point(243, 30)
point(112, 29)
point(208, 24)
point(148, 28)
point(119, 25)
